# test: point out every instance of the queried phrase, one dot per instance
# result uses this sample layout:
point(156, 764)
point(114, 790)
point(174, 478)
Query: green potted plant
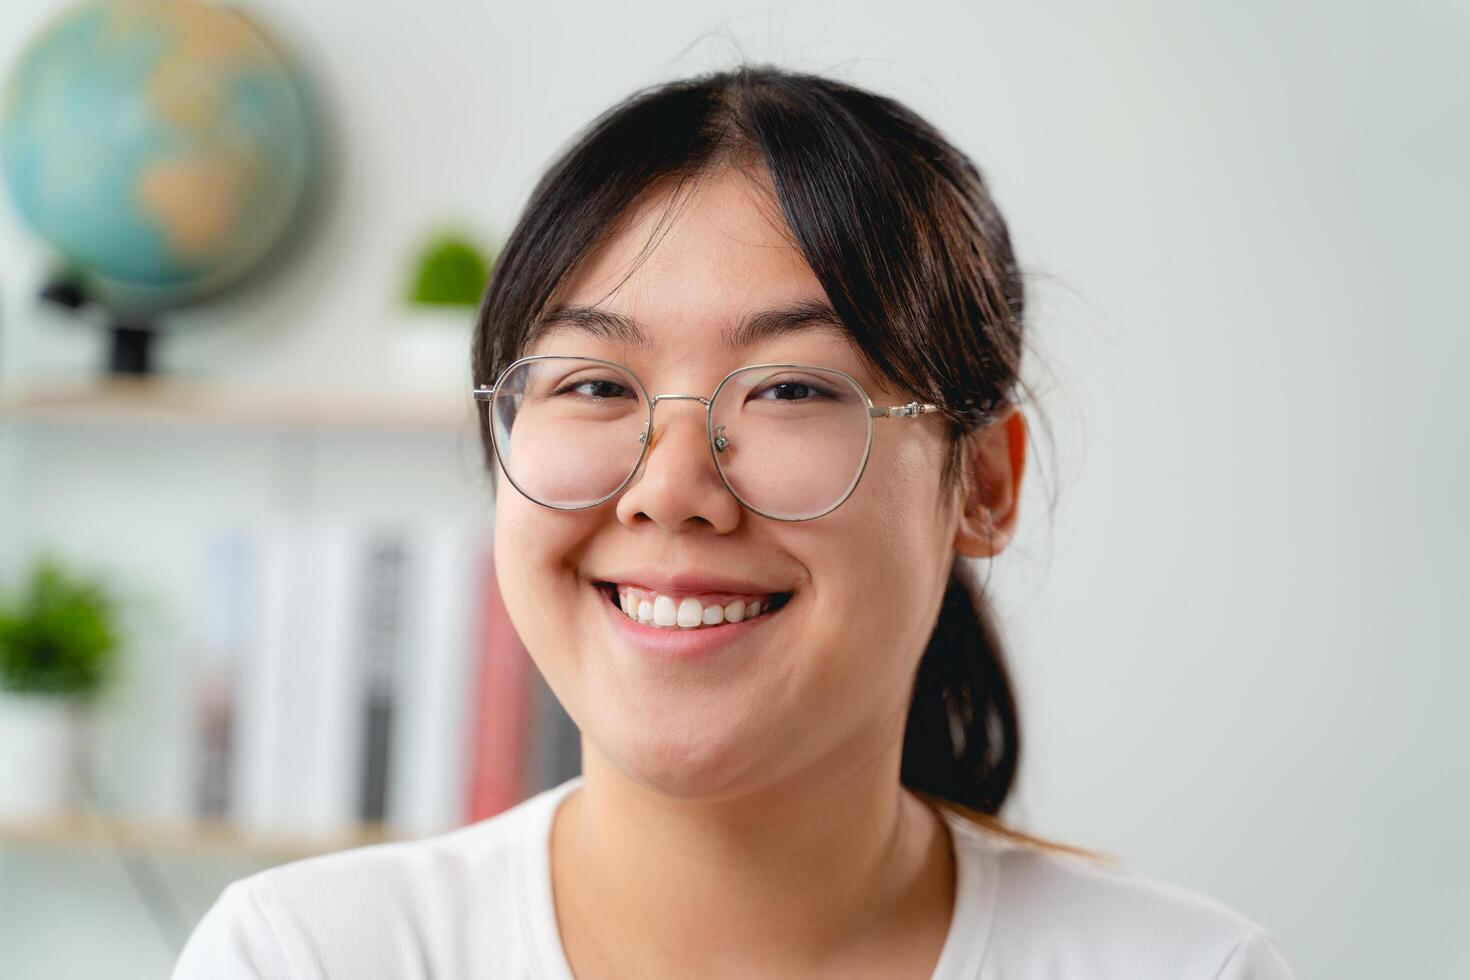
point(450, 273)
point(58, 652)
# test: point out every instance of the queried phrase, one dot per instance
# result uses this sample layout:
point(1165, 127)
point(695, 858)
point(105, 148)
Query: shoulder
point(385, 909)
point(1062, 914)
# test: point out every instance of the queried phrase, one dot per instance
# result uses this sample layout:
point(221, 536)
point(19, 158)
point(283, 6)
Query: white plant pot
point(40, 743)
point(429, 351)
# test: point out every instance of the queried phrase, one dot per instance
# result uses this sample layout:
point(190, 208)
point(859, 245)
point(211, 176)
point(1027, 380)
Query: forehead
point(713, 261)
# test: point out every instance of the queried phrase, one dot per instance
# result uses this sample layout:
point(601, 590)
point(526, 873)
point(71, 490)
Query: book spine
point(556, 749)
point(330, 671)
point(384, 592)
point(253, 779)
point(430, 752)
point(221, 638)
point(502, 706)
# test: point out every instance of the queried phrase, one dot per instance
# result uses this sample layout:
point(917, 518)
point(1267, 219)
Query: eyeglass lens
point(789, 442)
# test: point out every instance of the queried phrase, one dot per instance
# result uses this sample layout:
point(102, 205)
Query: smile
point(689, 612)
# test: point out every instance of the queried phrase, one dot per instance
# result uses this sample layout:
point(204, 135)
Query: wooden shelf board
point(189, 401)
point(76, 831)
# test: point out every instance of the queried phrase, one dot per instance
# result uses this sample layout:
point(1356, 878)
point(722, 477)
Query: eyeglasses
point(789, 441)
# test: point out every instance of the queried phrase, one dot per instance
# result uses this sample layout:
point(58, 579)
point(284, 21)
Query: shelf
point(80, 831)
point(192, 402)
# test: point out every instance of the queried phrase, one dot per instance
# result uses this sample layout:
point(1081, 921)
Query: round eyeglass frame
point(485, 397)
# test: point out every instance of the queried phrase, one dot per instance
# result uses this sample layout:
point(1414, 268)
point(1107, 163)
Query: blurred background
point(247, 611)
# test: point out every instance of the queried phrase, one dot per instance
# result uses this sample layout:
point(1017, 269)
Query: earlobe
point(994, 458)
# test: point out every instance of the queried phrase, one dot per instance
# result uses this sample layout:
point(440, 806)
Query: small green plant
point(451, 272)
point(58, 635)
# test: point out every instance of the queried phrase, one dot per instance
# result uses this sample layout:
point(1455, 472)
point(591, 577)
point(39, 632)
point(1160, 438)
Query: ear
point(994, 459)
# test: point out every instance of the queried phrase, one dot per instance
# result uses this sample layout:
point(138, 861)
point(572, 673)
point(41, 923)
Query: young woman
point(748, 371)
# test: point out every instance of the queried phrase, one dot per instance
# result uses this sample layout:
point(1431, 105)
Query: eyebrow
point(756, 328)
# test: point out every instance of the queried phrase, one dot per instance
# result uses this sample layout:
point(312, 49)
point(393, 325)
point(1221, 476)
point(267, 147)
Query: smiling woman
point(749, 372)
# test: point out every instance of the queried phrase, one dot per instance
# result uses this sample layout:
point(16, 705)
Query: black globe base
point(129, 352)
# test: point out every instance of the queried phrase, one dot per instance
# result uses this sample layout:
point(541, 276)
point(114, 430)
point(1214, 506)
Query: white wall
point(1237, 646)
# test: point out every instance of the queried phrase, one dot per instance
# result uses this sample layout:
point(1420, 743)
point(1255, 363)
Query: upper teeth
point(688, 612)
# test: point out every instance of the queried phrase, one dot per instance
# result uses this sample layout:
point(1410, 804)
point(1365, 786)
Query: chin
point(682, 764)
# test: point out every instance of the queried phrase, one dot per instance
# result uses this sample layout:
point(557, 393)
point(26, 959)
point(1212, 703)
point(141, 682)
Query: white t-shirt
point(476, 902)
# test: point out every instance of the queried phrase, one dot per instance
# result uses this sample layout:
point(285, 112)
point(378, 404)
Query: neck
point(785, 877)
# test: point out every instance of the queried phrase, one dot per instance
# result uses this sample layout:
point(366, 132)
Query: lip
point(675, 644)
point(686, 583)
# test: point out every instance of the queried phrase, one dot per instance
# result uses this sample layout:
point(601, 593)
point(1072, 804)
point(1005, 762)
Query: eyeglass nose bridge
point(693, 398)
point(653, 403)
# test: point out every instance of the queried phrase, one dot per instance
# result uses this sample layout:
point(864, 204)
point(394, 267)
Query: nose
point(677, 483)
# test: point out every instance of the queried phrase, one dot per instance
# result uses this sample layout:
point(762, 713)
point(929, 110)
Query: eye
point(795, 390)
point(594, 389)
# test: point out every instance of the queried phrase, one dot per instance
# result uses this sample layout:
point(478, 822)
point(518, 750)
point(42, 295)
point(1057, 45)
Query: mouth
point(689, 614)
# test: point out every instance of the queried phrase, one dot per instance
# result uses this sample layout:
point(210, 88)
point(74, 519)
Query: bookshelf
point(86, 459)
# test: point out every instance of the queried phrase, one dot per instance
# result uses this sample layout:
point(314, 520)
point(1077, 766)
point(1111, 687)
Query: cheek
point(889, 551)
point(515, 570)
point(899, 505)
point(532, 550)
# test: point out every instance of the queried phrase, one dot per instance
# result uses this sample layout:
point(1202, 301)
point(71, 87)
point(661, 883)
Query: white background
point(1238, 641)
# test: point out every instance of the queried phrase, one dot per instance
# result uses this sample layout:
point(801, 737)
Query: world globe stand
point(128, 353)
point(131, 336)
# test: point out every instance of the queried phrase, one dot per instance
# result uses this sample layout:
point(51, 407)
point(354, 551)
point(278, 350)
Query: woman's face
point(822, 686)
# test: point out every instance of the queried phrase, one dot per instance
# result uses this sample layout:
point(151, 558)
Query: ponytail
point(962, 742)
point(962, 745)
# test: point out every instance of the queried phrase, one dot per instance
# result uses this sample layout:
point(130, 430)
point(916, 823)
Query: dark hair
point(899, 228)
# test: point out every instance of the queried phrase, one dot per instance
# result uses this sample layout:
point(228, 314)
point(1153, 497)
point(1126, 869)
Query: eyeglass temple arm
point(899, 411)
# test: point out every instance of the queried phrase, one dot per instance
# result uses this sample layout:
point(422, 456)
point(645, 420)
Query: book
point(253, 794)
point(429, 765)
point(299, 716)
point(220, 639)
point(381, 633)
point(501, 711)
point(556, 742)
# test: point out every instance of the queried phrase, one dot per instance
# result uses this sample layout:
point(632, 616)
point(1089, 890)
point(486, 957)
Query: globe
point(163, 147)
